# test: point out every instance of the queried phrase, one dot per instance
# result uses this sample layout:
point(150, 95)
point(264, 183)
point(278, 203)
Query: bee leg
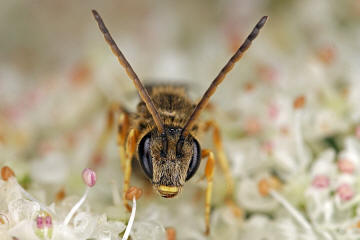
point(209, 172)
point(224, 165)
point(123, 130)
point(130, 150)
point(223, 161)
point(106, 133)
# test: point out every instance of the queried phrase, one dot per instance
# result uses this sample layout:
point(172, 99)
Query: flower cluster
point(24, 217)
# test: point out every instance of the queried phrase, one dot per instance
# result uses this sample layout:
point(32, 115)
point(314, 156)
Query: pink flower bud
point(346, 166)
point(89, 177)
point(321, 181)
point(345, 192)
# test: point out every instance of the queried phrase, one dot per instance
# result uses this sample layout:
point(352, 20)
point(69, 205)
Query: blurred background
point(288, 105)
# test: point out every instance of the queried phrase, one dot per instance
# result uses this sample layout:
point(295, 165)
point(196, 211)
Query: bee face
point(169, 160)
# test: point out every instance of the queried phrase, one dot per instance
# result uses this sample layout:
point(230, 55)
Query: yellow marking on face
point(168, 189)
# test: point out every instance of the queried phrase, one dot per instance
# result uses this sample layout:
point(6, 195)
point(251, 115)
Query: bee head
point(169, 159)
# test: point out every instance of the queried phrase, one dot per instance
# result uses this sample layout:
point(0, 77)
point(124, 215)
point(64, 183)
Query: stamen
point(268, 186)
point(6, 173)
point(89, 178)
point(134, 193)
point(131, 220)
point(60, 195)
point(76, 207)
point(293, 212)
point(299, 102)
point(170, 233)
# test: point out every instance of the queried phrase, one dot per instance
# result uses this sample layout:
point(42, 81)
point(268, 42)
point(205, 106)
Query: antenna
point(130, 72)
point(220, 77)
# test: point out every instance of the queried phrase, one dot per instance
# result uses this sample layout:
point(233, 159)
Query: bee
point(162, 134)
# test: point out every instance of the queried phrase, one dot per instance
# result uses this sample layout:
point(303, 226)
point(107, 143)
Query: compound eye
point(145, 155)
point(195, 160)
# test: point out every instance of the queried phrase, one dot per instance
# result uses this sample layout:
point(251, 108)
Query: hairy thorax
point(173, 105)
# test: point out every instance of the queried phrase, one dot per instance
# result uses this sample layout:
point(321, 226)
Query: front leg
point(130, 151)
point(123, 130)
point(224, 165)
point(209, 172)
point(220, 153)
point(114, 110)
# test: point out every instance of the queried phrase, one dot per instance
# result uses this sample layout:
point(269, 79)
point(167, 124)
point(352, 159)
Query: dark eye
point(195, 160)
point(145, 155)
